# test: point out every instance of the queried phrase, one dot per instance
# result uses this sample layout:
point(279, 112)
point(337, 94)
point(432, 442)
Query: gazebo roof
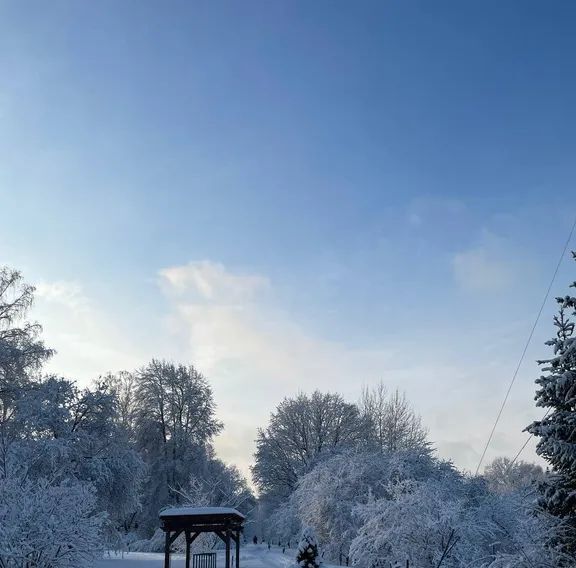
point(203, 515)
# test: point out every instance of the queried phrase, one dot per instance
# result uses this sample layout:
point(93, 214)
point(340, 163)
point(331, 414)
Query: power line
point(526, 442)
point(526, 346)
point(520, 451)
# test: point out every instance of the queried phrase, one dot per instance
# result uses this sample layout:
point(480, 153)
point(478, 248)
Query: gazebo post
point(237, 549)
point(228, 548)
point(188, 543)
point(167, 551)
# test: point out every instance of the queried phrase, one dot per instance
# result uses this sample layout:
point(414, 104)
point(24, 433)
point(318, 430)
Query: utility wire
point(499, 415)
point(526, 442)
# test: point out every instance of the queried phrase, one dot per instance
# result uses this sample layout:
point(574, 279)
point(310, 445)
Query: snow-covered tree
point(557, 431)
point(393, 422)
point(22, 352)
point(308, 555)
point(174, 425)
point(69, 433)
point(283, 524)
point(302, 431)
point(48, 517)
point(504, 476)
point(217, 485)
point(225, 486)
point(43, 525)
point(21, 349)
point(123, 386)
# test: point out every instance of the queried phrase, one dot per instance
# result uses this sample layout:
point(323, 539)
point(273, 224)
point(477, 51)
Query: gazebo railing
point(204, 560)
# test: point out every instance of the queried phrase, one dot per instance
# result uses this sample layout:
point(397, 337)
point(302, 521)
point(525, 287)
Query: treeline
point(365, 478)
point(83, 469)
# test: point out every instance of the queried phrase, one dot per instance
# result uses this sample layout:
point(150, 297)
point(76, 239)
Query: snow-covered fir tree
point(308, 555)
point(557, 430)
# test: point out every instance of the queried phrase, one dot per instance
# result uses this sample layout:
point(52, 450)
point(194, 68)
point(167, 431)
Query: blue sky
point(294, 195)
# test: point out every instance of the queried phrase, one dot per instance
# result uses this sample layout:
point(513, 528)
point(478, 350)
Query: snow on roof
point(199, 512)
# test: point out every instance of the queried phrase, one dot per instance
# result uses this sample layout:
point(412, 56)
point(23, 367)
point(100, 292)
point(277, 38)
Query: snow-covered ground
point(250, 557)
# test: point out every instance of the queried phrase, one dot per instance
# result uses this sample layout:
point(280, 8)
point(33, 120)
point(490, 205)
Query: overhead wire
point(523, 447)
point(526, 345)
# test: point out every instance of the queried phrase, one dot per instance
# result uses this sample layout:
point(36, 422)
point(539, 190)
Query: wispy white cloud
point(211, 281)
point(490, 266)
point(68, 294)
point(476, 270)
point(257, 348)
point(433, 209)
point(88, 341)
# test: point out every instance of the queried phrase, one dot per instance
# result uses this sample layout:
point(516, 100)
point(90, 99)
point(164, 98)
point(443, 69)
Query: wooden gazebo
point(225, 522)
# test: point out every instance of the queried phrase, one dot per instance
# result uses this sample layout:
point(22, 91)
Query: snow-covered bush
point(307, 555)
point(154, 544)
point(532, 542)
point(421, 522)
point(327, 496)
point(48, 526)
point(452, 523)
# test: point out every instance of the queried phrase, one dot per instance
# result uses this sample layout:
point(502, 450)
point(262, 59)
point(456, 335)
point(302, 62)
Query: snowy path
point(250, 557)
